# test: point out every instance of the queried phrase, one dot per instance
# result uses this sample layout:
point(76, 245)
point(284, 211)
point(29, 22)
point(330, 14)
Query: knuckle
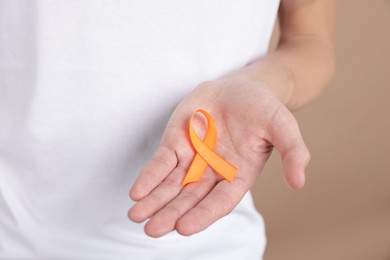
point(173, 209)
point(161, 159)
point(150, 173)
point(192, 195)
point(172, 182)
point(307, 157)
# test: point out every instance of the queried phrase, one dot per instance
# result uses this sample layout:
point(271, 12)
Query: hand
point(250, 122)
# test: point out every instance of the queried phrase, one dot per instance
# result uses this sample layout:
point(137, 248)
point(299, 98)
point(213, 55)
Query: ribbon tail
point(194, 173)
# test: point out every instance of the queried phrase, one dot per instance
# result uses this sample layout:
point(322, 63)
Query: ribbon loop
point(205, 155)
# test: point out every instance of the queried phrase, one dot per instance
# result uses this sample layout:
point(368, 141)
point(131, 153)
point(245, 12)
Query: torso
point(86, 88)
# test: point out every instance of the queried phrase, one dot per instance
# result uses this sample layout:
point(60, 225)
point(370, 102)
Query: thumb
point(284, 134)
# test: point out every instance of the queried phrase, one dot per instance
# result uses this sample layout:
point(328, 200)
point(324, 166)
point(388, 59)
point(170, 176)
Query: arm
point(251, 107)
point(298, 70)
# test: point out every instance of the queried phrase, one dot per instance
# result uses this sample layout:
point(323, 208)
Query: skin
point(252, 109)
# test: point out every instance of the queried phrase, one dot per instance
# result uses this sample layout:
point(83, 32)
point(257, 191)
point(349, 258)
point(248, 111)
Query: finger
point(284, 134)
point(217, 204)
point(159, 197)
point(165, 220)
point(162, 163)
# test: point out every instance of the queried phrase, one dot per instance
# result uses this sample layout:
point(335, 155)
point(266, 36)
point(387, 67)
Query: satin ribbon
point(205, 155)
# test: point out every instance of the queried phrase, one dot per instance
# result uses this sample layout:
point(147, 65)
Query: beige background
point(344, 210)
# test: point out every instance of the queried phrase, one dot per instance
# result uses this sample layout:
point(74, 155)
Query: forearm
point(298, 70)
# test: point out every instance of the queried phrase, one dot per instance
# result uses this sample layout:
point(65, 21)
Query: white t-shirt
point(86, 89)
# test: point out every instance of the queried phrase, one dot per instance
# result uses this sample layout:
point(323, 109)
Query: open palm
point(250, 122)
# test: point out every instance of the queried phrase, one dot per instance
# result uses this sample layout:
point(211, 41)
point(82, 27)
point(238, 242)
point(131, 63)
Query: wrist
point(279, 82)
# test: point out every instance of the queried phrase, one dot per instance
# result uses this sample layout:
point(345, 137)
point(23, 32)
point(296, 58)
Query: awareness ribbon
point(205, 154)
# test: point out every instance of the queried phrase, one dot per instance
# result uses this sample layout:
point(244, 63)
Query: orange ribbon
point(205, 154)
